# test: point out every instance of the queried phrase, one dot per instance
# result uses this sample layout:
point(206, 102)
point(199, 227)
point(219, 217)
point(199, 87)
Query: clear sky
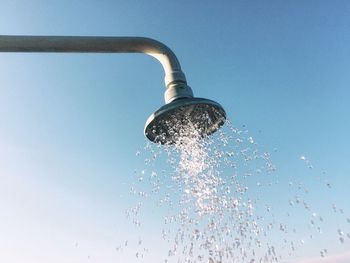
point(70, 124)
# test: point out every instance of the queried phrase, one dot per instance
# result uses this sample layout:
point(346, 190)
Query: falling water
point(216, 191)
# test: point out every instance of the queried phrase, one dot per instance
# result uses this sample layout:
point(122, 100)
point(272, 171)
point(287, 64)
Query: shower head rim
point(181, 103)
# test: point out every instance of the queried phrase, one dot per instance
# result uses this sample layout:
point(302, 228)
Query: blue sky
point(71, 123)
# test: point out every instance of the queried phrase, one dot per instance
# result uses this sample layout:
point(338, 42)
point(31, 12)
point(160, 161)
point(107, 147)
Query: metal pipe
point(83, 44)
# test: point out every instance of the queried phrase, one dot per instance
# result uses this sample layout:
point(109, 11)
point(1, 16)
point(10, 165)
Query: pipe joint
point(177, 90)
point(174, 77)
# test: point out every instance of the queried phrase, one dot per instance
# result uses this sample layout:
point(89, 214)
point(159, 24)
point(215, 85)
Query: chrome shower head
point(167, 124)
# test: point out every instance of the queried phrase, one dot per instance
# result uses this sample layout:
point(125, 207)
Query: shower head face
point(184, 117)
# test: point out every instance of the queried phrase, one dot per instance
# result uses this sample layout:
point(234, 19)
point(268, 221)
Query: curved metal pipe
point(83, 44)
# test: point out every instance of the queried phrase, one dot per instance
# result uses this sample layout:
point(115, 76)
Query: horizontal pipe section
point(89, 44)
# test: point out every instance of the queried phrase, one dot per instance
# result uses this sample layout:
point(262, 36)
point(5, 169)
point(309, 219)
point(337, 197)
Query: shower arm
point(175, 80)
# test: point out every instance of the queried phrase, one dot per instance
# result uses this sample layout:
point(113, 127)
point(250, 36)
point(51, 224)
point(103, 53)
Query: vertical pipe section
point(89, 44)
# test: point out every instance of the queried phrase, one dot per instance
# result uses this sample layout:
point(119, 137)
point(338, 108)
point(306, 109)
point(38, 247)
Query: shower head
point(183, 117)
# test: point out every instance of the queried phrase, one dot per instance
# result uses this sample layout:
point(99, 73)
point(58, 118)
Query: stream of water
point(222, 200)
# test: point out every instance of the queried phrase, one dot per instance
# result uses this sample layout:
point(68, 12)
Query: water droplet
point(250, 139)
point(334, 208)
